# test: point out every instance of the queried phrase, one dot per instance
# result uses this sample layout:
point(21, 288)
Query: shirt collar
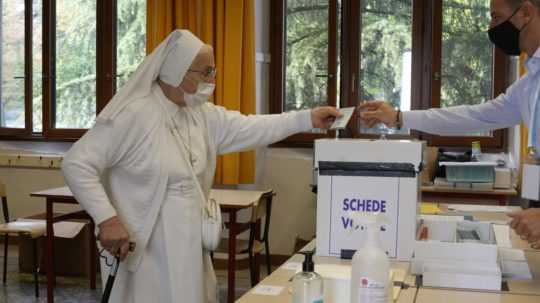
point(533, 63)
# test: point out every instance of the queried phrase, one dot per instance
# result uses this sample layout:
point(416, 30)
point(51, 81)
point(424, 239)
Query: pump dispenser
point(307, 285)
point(370, 265)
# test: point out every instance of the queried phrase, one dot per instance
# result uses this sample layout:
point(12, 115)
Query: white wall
point(287, 171)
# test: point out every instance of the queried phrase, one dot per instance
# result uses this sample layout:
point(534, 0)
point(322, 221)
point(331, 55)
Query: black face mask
point(506, 36)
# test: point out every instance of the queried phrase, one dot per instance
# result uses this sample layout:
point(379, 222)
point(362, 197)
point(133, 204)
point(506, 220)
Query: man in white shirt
point(514, 28)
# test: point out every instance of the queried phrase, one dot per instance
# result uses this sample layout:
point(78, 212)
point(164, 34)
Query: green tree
point(75, 92)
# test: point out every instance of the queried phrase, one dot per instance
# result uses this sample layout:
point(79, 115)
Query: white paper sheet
point(511, 254)
point(480, 208)
point(341, 122)
point(516, 270)
point(267, 290)
point(502, 235)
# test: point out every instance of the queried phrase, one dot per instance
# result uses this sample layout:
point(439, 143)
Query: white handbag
point(212, 225)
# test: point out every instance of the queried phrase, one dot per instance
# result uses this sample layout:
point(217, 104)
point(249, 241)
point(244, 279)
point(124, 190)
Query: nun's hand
point(526, 223)
point(114, 237)
point(323, 117)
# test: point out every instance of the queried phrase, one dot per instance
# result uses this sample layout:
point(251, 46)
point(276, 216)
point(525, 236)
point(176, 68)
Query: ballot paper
point(514, 264)
point(502, 235)
point(341, 122)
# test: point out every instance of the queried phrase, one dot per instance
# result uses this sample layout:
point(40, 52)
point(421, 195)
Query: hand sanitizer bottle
point(307, 285)
point(370, 265)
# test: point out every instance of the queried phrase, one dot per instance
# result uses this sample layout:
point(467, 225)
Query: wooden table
point(519, 291)
point(63, 195)
point(433, 193)
point(281, 278)
point(231, 201)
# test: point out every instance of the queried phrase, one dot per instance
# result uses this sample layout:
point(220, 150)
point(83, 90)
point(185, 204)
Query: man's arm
point(458, 120)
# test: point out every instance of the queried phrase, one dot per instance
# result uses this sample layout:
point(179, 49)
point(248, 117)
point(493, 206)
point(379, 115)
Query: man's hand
point(526, 223)
point(374, 112)
point(114, 237)
point(323, 117)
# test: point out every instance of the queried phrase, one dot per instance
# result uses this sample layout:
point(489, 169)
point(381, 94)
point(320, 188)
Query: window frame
point(277, 66)
point(11, 132)
point(106, 18)
point(498, 142)
point(426, 60)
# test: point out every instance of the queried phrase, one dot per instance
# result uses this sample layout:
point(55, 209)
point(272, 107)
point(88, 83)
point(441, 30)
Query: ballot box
point(367, 176)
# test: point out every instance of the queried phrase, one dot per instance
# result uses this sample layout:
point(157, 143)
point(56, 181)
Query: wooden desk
point(231, 201)
point(519, 291)
point(63, 195)
point(281, 276)
point(432, 193)
point(430, 295)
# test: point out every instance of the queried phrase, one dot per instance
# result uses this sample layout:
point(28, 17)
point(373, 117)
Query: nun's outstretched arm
point(231, 131)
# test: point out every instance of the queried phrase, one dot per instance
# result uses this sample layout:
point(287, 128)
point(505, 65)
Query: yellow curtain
point(227, 25)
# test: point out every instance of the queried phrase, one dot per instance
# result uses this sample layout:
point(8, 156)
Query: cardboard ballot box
point(367, 176)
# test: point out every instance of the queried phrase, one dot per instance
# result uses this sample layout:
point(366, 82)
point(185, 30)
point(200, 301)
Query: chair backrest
point(263, 209)
point(3, 196)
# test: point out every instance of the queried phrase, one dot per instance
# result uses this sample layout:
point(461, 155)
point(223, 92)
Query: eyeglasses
point(210, 72)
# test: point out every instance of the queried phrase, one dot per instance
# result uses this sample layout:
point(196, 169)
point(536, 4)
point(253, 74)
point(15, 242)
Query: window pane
point(466, 53)
point(12, 113)
point(75, 63)
point(386, 45)
point(306, 54)
point(131, 35)
point(37, 65)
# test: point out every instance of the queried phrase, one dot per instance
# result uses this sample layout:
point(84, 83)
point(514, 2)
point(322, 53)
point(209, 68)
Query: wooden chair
point(253, 247)
point(33, 230)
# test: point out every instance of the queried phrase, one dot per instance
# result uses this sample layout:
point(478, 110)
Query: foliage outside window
point(74, 70)
point(414, 54)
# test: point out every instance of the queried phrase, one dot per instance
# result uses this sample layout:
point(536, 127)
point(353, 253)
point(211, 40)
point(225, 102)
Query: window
point(62, 69)
point(414, 54)
point(385, 37)
point(306, 45)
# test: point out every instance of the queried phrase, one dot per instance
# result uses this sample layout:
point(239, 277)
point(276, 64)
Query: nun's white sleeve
point(84, 165)
point(231, 131)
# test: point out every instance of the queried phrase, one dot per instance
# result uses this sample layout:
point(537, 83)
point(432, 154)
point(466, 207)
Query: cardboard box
point(367, 176)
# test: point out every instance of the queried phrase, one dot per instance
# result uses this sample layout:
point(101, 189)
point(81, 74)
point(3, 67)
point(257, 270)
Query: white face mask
point(201, 96)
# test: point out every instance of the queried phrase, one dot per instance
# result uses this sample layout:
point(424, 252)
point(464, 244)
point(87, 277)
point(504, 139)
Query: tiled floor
point(20, 287)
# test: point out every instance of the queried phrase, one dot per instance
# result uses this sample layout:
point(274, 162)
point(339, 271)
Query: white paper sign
point(348, 196)
point(294, 266)
point(267, 290)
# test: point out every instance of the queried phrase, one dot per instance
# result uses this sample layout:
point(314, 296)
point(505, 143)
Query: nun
point(137, 183)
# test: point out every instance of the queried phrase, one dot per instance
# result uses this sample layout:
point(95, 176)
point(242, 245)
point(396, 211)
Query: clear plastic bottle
point(307, 285)
point(370, 265)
